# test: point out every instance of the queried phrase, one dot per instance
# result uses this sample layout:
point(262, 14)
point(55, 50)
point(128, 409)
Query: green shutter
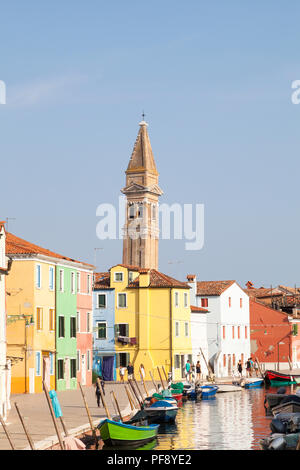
point(127, 359)
point(127, 330)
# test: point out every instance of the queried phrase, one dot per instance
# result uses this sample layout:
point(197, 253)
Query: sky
point(214, 79)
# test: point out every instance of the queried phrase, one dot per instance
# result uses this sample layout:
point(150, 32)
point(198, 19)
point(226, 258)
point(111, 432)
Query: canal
point(230, 421)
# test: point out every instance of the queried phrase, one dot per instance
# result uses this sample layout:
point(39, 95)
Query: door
point(31, 380)
point(182, 365)
point(46, 371)
point(83, 370)
point(229, 365)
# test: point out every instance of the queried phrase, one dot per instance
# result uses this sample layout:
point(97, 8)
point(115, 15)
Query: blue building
point(104, 355)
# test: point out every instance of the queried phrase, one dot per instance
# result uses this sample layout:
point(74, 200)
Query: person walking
point(198, 372)
point(188, 370)
point(240, 368)
point(122, 373)
point(97, 391)
point(130, 371)
point(256, 368)
point(248, 368)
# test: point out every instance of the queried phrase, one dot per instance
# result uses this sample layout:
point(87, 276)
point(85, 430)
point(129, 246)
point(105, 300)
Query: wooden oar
point(160, 378)
point(102, 397)
point(145, 388)
point(25, 429)
point(135, 393)
point(7, 433)
point(153, 381)
point(53, 416)
point(117, 404)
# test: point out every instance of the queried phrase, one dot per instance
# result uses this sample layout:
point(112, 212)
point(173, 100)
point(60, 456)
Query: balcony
point(126, 340)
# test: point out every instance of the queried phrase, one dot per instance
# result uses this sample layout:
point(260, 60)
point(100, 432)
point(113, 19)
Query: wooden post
point(210, 372)
point(259, 368)
point(153, 380)
point(145, 388)
point(160, 378)
point(53, 415)
point(103, 400)
point(89, 415)
point(117, 404)
point(138, 388)
point(64, 426)
point(25, 429)
point(165, 374)
point(7, 433)
point(129, 399)
point(290, 364)
point(135, 394)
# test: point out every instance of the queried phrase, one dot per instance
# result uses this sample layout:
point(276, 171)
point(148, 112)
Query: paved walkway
point(35, 411)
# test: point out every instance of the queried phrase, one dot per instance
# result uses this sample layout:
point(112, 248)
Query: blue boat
point(254, 383)
point(209, 391)
point(161, 412)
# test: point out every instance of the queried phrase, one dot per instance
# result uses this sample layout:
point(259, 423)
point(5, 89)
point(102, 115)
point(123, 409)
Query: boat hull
point(124, 435)
point(279, 376)
point(208, 391)
point(156, 415)
point(254, 384)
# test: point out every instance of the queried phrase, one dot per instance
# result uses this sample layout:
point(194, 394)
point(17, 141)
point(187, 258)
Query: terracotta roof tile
point(212, 287)
point(102, 280)
point(17, 246)
point(195, 309)
point(158, 279)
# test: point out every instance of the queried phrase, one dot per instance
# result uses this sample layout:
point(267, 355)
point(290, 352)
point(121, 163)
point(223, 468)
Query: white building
point(228, 323)
point(4, 364)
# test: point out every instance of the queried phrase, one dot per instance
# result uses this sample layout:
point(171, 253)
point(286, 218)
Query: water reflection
point(232, 421)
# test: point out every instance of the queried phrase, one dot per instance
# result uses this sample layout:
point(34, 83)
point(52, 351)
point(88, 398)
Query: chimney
point(192, 282)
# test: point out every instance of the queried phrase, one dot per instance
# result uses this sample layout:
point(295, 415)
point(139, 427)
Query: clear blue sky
point(214, 79)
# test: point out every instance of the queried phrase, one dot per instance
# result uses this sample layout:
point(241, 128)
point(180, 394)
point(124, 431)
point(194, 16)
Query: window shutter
point(127, 330)
point(117, 360)
point(127, 359)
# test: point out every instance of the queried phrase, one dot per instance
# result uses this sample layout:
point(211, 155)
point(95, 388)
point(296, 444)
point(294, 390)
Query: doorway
point(83, 369)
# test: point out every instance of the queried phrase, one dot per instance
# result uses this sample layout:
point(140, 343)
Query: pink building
point(84, 327)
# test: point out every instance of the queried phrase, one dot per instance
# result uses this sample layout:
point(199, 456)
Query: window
point(78, 282)
point(51, 357)
point(51, 278)
point(131, 211)
point(78, 322)
point(101, 328)
point(38, 363)
point(239, 332)
point(122, 300)
point(39, 318)
point(51, 319)
point(88, 290)
point(140, 210)
point(73, 283)
point(185, 296)
point(204, 302)
point(73, 327)
point(241, 302)
point(101, 301)
point(177, 361)
point(154, 212)
point(61, 327)
point(60, 369)
point(38, 279)
point(246, 332)
point(73, 369)
point(130, 276)
point(177, 328)
point(233, 332)
point(186, 329)
point(122, 359)
point(78, 361)
point(61, 280)
point(229, 302)
point(118, 277)
point(88, 322)
point(223, 332)
point(233, 360)
point(176, 297)
point(224, 360)
point(122, 329)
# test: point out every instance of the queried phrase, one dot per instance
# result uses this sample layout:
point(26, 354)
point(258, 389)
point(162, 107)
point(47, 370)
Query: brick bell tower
point(141, 233)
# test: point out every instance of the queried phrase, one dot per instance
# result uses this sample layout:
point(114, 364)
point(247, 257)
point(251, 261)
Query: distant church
point(141, 232)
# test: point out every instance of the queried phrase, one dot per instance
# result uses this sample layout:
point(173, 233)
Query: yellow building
point(152, 317)
point(30, 289)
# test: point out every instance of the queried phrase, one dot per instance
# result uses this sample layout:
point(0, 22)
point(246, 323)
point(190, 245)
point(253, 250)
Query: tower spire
point(140, 244)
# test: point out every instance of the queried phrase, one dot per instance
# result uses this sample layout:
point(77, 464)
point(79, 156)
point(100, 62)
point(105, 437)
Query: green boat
point(115, 433)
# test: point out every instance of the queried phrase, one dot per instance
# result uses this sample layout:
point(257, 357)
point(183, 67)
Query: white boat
point(228, 388)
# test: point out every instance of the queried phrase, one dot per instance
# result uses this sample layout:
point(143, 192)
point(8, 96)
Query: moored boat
point(280, 376)
point(115, 433)
point(253, 383)
point(209, 391)
point(222, 388)
point(161, 412)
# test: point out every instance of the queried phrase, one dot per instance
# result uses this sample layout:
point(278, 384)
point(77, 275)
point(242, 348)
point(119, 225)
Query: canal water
point(230, 421)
